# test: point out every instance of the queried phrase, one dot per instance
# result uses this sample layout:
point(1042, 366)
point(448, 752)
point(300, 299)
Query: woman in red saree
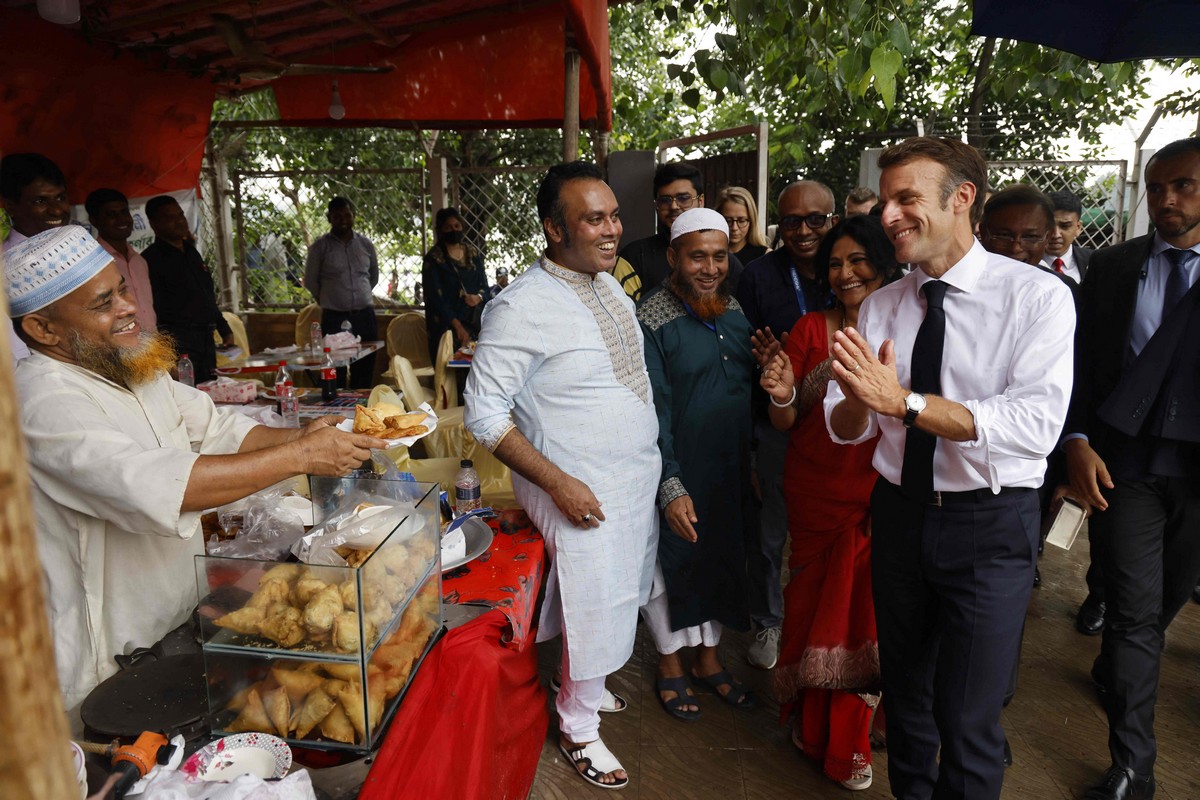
point(827, 676)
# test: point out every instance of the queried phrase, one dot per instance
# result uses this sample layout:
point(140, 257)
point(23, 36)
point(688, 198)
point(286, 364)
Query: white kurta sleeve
point(211, 430)
point(510, 349)
point(82, 459)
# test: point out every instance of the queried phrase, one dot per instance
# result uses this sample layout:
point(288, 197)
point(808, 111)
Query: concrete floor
point(1056, 728)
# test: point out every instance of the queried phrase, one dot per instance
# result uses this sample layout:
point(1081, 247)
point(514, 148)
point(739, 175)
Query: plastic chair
point(445, 384)
point(308, 315)
point(239, 340)
point(406, 336)
point(406, 381)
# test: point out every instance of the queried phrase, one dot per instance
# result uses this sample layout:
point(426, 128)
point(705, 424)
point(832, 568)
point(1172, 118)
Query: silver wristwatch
point(914, 404)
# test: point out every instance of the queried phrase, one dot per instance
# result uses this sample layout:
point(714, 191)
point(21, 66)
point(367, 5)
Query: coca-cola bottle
point(328, 377)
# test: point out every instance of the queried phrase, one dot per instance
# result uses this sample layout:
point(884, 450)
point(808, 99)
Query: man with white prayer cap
point(701, 373)
point(123, 460)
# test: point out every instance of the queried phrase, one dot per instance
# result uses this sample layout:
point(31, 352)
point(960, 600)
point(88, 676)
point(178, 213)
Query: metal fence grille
point(278, 207)
point(1100, 186)
point(500, 208)
point(277, 214)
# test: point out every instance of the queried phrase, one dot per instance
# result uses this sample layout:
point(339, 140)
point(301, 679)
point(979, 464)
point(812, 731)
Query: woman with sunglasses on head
point(745, 240)
point(827, 677)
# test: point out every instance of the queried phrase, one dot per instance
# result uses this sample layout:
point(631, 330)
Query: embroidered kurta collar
point(617, 325)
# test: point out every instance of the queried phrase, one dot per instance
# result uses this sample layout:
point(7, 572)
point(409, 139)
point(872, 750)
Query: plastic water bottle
point(289, 409)
point(328, 377)
point(467, 496)
point(283, 385)
point(316, 338)
point(185, 370)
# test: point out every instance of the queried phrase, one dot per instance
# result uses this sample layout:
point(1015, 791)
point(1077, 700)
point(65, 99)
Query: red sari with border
point(828, 669)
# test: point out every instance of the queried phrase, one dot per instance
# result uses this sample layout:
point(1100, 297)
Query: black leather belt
point(940, 499)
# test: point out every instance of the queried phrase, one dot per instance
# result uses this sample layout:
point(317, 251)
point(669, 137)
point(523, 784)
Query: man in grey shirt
point(341, 271)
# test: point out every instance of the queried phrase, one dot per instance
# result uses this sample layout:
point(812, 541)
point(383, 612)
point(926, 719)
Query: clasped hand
point(865, 378)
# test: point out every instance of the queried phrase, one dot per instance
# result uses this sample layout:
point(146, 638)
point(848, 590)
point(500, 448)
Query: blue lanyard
point(710, 325)
point(799, 292)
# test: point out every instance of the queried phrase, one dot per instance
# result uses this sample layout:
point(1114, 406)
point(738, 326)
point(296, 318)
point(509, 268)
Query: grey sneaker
point(764, 651)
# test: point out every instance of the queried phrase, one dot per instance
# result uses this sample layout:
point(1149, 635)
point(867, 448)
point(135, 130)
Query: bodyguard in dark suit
point(1133, 451)
point(1062, 254)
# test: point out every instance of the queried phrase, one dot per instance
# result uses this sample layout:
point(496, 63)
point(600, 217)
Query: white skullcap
point(698, 219)
point(49, 266)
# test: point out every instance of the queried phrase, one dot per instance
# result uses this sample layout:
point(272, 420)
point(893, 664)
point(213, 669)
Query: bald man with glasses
point(775, 292)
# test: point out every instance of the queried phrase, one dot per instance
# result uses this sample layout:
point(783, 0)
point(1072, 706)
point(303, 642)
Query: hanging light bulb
point(60, 12)
point(336, 109)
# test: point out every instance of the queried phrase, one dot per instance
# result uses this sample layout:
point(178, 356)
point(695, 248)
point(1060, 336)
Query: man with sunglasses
point(775, 292)
point(678, 187)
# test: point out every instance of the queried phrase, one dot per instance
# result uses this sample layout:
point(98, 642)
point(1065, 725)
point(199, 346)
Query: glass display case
point(320, 655)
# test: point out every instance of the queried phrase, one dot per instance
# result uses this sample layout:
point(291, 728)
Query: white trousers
point(657, 615)
point(578, 702)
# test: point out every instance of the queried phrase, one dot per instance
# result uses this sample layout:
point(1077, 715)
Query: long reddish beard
point(126, 366)
point(706, 307)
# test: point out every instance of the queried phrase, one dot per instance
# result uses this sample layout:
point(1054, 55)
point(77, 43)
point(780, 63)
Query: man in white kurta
point(109, 466)
point(558, 390)
point(123, 460)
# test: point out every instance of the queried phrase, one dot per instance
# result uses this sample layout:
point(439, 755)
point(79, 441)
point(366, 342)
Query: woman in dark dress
point(455, 283)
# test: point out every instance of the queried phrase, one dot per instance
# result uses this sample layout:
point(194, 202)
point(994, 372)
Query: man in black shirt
point(184, 298)
point(775, 291)
point(677, 188)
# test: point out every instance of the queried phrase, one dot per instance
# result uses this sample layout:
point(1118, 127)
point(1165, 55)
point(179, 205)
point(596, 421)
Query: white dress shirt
point(1070, 268)
point(1007, 358)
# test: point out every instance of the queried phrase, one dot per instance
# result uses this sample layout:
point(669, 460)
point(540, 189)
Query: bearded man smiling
point(123, 459)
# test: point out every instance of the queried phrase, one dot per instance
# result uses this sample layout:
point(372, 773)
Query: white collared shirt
point(1007, 358)
point(1070, 268)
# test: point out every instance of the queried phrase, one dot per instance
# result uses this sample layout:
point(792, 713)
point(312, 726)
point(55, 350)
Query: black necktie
point(916, 476)
point(1177, 280)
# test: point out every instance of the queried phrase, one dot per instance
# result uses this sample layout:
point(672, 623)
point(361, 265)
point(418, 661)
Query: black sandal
point(738, 695)
point(683, 697)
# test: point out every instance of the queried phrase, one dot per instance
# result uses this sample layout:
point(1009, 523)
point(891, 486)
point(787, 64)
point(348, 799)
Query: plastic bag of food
point(269, 528)
point(361, 521)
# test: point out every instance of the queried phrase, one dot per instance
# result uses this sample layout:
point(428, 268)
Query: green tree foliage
point(836, 76)
point(286, 175)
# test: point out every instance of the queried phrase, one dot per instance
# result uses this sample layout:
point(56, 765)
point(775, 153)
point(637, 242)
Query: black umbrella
point(1100, 30)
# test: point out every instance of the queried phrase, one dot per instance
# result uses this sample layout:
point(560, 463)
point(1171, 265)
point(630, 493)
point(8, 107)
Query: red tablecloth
point(473, 722)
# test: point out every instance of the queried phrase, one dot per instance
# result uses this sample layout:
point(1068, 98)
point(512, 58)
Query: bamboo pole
point(34, 754)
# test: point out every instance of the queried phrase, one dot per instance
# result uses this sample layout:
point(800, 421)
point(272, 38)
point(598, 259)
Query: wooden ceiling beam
point(295, 14)
point(164, 13)
point(362, 23)
point(402, 32)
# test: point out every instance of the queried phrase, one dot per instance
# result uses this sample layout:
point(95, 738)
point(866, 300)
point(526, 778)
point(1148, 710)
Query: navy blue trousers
point(951, 585)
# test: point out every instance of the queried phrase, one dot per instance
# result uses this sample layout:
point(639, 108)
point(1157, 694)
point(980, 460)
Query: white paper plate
point(260, 754)
point(431, 421)
point(479, 538)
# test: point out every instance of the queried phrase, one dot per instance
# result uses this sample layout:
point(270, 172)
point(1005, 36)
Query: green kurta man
point(701, 371)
